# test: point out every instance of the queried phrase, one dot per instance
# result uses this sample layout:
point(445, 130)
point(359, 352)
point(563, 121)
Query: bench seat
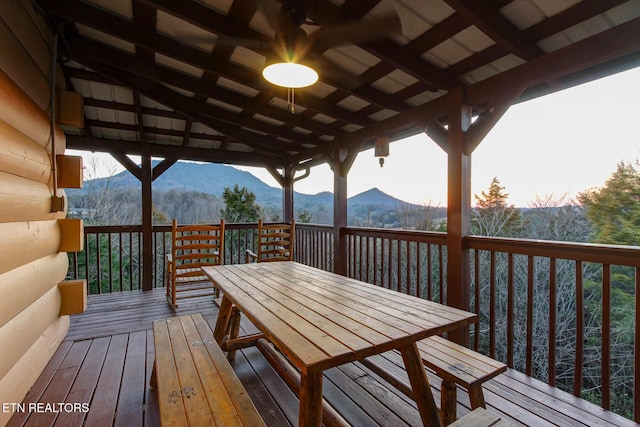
point(196, 384)
point(457, 364)
point(481, 418)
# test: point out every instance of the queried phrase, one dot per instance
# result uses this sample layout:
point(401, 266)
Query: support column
point(147, 222)
point(287, 194)
point(340, 171)
point(458, 208)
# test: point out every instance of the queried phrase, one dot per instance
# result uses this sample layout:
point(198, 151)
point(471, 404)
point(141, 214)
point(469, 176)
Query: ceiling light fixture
point(289, 73)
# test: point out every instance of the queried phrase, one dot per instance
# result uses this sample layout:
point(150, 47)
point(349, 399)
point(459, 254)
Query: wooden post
point(147, 223)
point(340, 170)
point(287, 194)
point(458, 208)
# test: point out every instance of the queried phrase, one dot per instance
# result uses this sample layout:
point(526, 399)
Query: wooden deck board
point(107, 356)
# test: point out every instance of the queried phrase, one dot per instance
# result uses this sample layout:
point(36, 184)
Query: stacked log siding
point(30, 265)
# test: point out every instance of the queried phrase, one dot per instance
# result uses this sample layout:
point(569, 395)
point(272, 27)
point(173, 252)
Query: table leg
point(310, 399)
point(222, 323)
point(420, 386)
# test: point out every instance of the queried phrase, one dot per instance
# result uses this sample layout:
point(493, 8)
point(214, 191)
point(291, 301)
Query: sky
point(554, 146)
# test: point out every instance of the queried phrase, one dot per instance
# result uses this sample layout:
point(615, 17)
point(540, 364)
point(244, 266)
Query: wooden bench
point(196, 384)
point(455, 364)
point(481, 418)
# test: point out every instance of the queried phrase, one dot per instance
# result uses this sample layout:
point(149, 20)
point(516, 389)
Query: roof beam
point(491, 22)
point(165, 151)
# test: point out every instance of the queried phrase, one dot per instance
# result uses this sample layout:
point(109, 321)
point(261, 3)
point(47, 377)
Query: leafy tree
point(304, 216)
point(240, 205)
point(561, 219)
point(614, 209)
point(493, 216)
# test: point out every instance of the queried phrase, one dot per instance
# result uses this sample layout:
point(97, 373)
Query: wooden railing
point(314, 246)
point(411, 262)
point(114, 255)
point(545, 308)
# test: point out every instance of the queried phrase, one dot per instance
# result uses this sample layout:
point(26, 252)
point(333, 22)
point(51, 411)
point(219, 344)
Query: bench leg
point(448, 402)
point(234, 330)
point(476, 396)
point(153, 381)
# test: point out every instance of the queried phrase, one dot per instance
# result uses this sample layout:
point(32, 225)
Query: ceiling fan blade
point(354, 32)
point(222, 41)
point(270, 10)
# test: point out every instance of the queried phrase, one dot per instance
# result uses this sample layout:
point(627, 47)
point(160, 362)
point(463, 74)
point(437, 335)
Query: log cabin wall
point(30, 265)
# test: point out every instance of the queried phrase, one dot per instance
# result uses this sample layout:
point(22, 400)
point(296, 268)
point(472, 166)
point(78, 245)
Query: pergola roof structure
point(154, 80)
point(171, 79)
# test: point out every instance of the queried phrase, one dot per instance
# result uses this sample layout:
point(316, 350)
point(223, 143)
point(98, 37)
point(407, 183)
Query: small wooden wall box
point(70, 171)
point(70, 109)
point(71, 235)
point(74, 296)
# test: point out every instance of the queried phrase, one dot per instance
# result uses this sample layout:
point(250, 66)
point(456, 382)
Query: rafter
point(79, 12)
point(430, 76)
point(191, 108)
point(166, 75)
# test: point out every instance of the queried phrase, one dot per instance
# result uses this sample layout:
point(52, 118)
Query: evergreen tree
point(240, 205)
point(614, 209)
point(493, 216)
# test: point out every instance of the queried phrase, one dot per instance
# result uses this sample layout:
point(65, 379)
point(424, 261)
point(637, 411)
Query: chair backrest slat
point(275, 241)
point(197, 244)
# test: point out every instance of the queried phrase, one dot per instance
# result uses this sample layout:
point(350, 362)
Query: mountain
point(211, 178)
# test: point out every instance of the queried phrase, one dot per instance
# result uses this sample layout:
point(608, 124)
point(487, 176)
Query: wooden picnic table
point(320, 320)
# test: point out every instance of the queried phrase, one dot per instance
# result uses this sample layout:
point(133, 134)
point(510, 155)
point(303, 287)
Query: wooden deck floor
point(106, 359)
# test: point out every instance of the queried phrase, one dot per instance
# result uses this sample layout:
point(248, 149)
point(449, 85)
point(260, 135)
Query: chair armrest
point(249, 256)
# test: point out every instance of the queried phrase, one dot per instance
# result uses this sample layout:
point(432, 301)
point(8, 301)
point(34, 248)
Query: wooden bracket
point(71, 235)
point(74, 296)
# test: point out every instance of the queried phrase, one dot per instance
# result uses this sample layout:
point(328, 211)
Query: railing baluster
point(492, 305)
point(577, 372)
point(636, 349)
point(530, 293)
point(476, 273)
point(606, 336)
point(552, 322)
point(510, 310)
point(110, 258)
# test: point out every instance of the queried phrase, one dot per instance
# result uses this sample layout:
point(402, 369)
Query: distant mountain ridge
point(213, 178)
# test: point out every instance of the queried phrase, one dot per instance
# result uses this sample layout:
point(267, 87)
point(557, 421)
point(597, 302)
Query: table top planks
point(320, 319)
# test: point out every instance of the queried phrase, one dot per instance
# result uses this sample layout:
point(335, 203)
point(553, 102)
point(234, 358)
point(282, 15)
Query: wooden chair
point(192, 247)
point(275, 243)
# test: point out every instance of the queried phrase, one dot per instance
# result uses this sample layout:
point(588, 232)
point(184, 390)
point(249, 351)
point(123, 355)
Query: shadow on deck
point(106, 360)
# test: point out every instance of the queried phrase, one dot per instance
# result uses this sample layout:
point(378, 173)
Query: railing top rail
point(434, 237)
point(314, 227)
point(113, 228)
point(588, 252)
